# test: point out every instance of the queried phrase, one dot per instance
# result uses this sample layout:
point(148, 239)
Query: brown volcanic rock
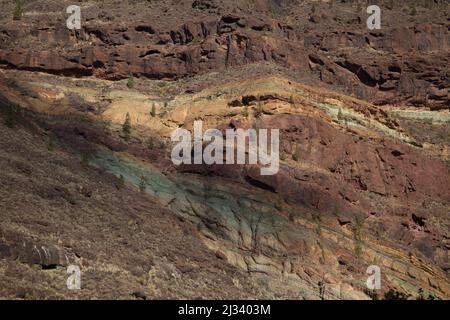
point(342, 177)
point(346, 177)
point(399, 63)
point(331, 156)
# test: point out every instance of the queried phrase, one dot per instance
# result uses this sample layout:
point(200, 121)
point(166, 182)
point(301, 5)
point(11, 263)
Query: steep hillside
point(87, 177)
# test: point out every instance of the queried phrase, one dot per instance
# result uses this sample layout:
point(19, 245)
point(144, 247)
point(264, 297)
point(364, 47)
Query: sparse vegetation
point(422, 296)
point(85, 159)
point(153, 111)
point(395, 295)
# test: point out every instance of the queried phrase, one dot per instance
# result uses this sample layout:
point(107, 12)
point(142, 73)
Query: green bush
point(130, 83)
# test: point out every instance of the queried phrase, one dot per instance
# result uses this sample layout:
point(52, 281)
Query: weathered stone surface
point(411, 69)
point(16, 246)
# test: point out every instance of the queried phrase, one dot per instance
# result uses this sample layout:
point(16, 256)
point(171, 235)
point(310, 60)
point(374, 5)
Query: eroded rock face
point(346, 195)
point(402, 62)
point(16, 246)
point(338, 179)
point(345, 176)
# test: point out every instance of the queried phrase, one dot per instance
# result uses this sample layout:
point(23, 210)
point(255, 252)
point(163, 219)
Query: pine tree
point(153, 111)
point(51, 144)
point(126, 127)
point(85, 159)
point(17, 15)
point(10, 120)
point(142, 184)
point(245, 111)
point(340, 116)
point(121, 183)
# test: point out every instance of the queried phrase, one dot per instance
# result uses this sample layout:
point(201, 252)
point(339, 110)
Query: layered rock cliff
point(363, 119)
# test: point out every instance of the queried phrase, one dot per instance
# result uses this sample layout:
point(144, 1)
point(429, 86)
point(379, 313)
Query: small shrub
point(130, 82)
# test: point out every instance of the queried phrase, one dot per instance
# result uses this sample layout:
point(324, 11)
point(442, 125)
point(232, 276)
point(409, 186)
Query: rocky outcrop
point(394, 65)
point(16, 246)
